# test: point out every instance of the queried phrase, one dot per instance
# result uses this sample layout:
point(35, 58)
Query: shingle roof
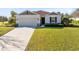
point(27, 13)
point(75, 13)
point(53, 13)
point(40, 12)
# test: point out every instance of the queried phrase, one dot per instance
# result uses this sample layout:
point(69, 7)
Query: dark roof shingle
point(27, 13)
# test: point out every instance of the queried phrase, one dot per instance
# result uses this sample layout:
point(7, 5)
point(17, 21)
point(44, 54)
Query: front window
point(53, 19)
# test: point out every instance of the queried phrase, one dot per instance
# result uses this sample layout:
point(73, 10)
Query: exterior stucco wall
point(75, 18)
point(47, 19)
point(58, 19)
point(34, 20)
point(27, 20)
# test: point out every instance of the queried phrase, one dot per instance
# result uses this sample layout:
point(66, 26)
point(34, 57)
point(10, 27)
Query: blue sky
point(6, 11)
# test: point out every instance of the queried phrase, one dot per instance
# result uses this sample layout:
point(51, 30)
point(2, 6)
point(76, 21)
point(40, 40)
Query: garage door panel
point(30, 21)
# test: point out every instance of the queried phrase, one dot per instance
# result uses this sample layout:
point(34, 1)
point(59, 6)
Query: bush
point(11, 25)
point(12, 21)
point(75, 22)
point(54, 25)
point(60, 25)
point(65, 21)
point(72, 25)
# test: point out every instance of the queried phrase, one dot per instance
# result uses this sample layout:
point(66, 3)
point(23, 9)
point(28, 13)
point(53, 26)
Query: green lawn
point(54, 39)
point(3, 23)
point(4, 30)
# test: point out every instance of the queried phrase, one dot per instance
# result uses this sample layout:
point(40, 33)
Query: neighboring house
point(37, 18)
point(75, 15)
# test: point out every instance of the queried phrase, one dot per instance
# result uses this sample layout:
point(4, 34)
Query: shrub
point(54, 25)
point(60, 25)
point(72, 25)
point(12, 22)
point(75, 22)
point(65, 21)
point(11, 25)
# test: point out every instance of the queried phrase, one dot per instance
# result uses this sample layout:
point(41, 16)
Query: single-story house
point(37, 18)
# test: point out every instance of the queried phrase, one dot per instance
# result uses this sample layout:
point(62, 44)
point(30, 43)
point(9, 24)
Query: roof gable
point(53, 13)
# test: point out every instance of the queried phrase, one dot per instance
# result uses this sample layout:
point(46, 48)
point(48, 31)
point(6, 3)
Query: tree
point(3, 19)
point(67, 15)
point(62, 16)
point(13, 13)
point(12, 19)
point(66, 19)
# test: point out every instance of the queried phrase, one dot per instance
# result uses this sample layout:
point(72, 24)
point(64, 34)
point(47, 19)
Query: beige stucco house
point(37, 18)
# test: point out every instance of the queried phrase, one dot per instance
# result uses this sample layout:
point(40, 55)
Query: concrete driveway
point(16, 40)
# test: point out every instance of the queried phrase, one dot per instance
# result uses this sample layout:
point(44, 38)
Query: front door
point(42, 20)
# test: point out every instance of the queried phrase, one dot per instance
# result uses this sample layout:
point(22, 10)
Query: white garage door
point(27, 20)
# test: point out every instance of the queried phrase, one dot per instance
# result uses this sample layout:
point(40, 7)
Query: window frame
point(53, 20)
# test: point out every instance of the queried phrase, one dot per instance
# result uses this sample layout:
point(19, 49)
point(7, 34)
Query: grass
point(3, 23)
point(4, 30)
point(75, 22)
point(54, 39)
